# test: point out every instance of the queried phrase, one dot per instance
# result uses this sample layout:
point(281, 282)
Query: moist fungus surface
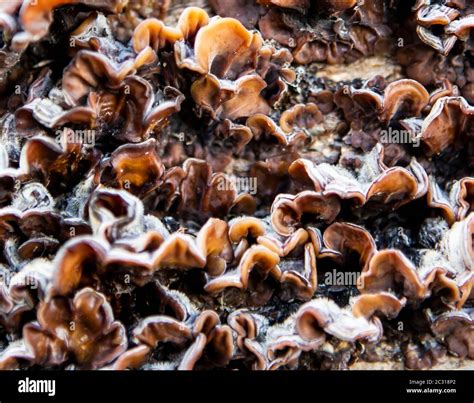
point(238, 184)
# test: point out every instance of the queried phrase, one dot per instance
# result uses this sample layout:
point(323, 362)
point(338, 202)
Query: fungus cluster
point(249, 184)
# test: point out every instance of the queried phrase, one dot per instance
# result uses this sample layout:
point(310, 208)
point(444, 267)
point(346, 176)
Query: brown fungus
point(81, 329)
point(184, 178)
point(456, 329)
